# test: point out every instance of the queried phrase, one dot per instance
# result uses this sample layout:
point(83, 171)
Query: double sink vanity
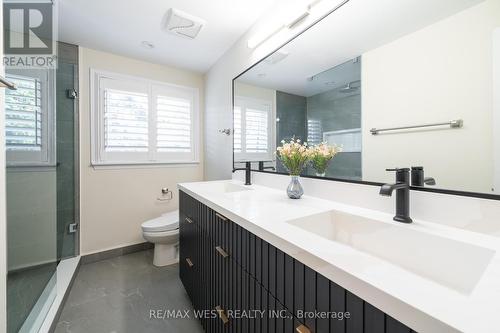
point(252, 248)
point(393, 98)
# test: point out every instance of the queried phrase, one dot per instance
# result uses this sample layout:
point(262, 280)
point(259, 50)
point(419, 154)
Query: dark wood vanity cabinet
point(247, 285)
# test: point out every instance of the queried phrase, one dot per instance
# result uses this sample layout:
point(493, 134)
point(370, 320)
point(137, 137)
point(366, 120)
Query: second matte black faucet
point(248, 172)
point(418, 178)
point(402, 188)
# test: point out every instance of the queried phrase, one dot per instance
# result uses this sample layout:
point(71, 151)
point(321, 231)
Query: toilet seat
point(167, 222)
point(159, 234)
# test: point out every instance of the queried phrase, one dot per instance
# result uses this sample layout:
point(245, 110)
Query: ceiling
point(355, 28)
point(119, 26)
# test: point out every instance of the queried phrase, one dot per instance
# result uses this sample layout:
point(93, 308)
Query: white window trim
point(46, 158)
point(97, 127)
point(257, 157)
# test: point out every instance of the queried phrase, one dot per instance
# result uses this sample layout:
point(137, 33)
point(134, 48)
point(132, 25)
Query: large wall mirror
point(395, 83)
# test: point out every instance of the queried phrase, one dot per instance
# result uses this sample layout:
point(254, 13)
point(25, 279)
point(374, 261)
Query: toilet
point(163, 232)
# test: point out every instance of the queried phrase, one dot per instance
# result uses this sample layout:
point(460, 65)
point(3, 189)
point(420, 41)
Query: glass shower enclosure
point(41, 129)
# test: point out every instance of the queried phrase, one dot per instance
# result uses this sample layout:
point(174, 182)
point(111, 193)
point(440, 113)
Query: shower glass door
point(42, 183)
point(31, 197)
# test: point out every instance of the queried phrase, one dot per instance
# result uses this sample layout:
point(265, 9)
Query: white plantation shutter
point(23, 114)
point(136, 121)
point(237, 129)
point(256, 130)
point(252, 130)
point(125, 121)
point(173, 124)
point(29, 118)
point(314, 132)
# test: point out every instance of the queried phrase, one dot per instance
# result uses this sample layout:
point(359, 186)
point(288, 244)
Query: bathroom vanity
point(252, 248)
point(386, 88)
point(223, 266)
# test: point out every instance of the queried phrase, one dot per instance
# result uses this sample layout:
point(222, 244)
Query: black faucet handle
point(402, 174)
point(398, 169)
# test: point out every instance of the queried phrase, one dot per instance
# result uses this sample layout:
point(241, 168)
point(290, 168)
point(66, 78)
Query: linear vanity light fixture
point(293, 20)
point(458, 123)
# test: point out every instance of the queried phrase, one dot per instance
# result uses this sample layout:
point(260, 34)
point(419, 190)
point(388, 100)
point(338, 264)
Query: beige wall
point(437, 74)
point(114, 202)
point(247, 90)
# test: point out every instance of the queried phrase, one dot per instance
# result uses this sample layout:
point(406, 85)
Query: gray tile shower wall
point(333, 111)
point(291, 110)
point(66, 117)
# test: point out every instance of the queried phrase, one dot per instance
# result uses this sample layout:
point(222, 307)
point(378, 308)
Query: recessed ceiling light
point(147, 45)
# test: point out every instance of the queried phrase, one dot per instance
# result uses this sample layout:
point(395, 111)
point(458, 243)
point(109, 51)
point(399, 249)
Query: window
point(253, 139)
point(136, 121)
point(314, 132)
point(125, 121)
point(29, 118)
point(237, 129)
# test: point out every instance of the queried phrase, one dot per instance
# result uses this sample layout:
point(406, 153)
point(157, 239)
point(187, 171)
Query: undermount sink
point(224, 187)
point(455, 264)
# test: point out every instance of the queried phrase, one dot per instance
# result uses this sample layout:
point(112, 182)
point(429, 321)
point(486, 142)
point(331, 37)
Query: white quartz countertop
point(418, 298)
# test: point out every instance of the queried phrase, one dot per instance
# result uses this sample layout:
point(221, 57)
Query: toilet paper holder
point(166, 195)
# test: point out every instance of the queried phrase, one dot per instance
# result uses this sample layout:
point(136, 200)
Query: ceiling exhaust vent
point(182, 24)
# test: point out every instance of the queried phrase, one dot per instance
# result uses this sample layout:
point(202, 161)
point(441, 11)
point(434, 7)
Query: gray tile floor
point(116, 295)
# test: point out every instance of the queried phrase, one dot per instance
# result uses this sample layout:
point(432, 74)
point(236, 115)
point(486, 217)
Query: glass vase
point(294, 189)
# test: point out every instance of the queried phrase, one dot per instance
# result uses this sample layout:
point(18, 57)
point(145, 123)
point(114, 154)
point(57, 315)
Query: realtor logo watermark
point(30, 34)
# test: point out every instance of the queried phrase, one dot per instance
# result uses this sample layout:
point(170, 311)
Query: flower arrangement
point(321, 155)
point(294, 155)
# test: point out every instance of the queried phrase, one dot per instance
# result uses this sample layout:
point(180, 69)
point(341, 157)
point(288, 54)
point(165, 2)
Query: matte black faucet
point(402, 188)
point(418, 178)
point(248, 172)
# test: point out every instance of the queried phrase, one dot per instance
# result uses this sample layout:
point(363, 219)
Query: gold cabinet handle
point(302, 329)
point(222, 314)
point(223, 218)
point(189, 262)
point(222, 252)
point(188, 220)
